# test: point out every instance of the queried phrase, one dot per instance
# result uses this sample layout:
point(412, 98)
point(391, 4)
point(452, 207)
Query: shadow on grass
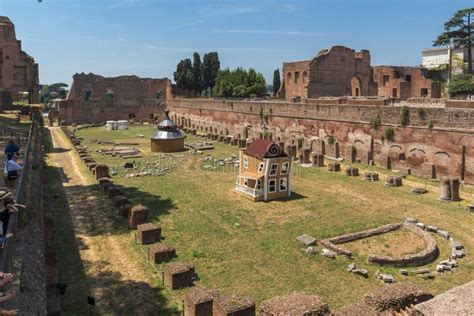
point(94, 215)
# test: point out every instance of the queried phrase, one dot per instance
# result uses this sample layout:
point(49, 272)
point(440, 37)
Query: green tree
point(197, 73)
point(240, 83)
point(184, 74)
point(276, 81)
point(210, 68)
point(461, 84)
point(53, 91)
point(459, 31)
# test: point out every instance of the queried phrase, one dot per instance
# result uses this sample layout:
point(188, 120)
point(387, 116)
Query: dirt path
point(118, 276)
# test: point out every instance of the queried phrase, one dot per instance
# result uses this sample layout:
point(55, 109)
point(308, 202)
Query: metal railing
point(6, 254)
point(250, 191)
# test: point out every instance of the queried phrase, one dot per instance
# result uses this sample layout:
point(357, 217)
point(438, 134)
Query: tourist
point(9, 207)
point(12, 169)
point(11, 148)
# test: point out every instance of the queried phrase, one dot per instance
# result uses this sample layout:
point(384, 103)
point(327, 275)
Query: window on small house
point(273, 169)
point(260, 167)
point(246, 163)
point(297, 77)
point(87, 95)
point(284, 167)
point(408, 78)
point(272, 185)
point(283, 184)
point(259, 184)
point(386, 79)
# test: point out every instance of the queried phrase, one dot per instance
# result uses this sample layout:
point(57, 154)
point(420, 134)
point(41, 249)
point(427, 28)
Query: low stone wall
point(464, 104)
point(332, 242)
point(429, 254)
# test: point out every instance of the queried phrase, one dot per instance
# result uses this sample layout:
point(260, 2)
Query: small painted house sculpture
point(265, 171)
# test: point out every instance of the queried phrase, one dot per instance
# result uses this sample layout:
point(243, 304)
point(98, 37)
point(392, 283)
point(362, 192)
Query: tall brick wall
point(417, 146)
point(18, 70)
point(295, 80)
point(90, 101)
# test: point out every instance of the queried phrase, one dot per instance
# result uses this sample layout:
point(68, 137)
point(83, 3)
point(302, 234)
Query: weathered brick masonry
point(96, 99)
point(445, 149)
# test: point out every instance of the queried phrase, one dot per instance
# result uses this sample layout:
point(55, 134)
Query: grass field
point(250, 248)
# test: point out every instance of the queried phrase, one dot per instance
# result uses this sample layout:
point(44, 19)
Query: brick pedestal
point(159, 253)
point(101, 171)
point(148, 233)
point(198, 302)
point(179, 275)
point(138, 216)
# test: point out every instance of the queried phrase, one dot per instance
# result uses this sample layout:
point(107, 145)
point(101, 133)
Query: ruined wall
point(18, 70)
point(447, 148)
point(340, 71)
point(95, 99)
point(404, 82)
point(295, 80)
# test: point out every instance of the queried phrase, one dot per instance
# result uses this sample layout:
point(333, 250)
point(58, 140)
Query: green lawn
point(250, 248)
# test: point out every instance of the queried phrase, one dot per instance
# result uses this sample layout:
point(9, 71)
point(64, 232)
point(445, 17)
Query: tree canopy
point(184, 74)
point(210, 67)
point(276, 81)
point(240, 83)
point(458, 31)
point(197, 73)
point(53, 91)
point(461, 84)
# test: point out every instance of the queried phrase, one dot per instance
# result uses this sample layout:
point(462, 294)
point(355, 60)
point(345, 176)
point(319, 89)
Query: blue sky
point(149, 37)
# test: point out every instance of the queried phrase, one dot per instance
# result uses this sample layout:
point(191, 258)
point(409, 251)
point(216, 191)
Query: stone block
point(101, 181)
point(148, 233)
point(101, 171)
point(306, 239)
point(120, 200)
point(179, 275)
point(393, 181)
point(233, 305)
point(371, 176)
point(124, 210)
point(198, 302)
point(113, 191)
point(334, 166)
point(352, 172)
point(138, 216)
point(159, 253)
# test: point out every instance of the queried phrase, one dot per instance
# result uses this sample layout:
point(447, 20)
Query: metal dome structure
point(168, 138)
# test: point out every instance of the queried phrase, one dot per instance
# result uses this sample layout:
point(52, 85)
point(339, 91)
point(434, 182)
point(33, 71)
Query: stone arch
point(305, 77)
point(356, 87)
point(416, 157)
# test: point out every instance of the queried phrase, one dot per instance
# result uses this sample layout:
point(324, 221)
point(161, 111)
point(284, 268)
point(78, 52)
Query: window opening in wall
point(297, 77)
point(87, 95)
point(394, 92)
point(131, 116)
point(159, 94)
point(424, 92)
point(408, 78)
point(110, 94)
point(288, 78)
point(386, 79)
point(357, 92)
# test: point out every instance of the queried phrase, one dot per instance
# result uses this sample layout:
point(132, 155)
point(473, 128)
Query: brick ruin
point(96, 99)
point(344, 131)
point(18, 70)
point(341, 71)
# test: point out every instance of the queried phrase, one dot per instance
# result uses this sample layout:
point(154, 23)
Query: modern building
point(168, 138)
point(435, 58)
point(265, 172)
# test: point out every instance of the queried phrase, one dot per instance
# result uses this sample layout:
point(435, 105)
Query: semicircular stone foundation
point(423, 257)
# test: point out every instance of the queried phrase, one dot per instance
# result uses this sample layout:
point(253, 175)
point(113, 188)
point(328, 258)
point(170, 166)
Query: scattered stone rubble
point(297, 303)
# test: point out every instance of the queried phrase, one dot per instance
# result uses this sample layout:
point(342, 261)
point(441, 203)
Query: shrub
point(404, 116)
point(431, 124)
point(421, 113)
point(331, 140)
point(390, 134)
point(461, 84)
point(375, 121)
